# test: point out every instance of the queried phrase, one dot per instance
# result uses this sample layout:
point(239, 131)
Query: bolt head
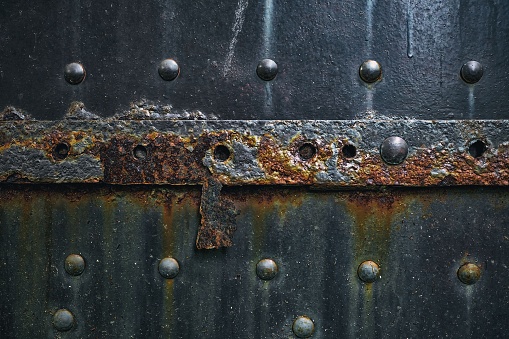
point(267, 69)
point(370, 71)
point(74, 264)
point(394, 150)
point(303, 327)
point(74, 73)
point(471, 72)
point(469, 273)
point(368, 271)
point(266, 269)
point(169, 268)
point(63, 320)
point(168, 69)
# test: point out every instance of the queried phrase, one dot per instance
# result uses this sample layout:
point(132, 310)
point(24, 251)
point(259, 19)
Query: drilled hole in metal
point(221, 153)
point(477, 149)
point(140, 152)
point(307, 151)
point(61, 151)
point(349, 151)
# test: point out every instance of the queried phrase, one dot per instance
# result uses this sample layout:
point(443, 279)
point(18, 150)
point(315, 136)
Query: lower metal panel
point(419, 237)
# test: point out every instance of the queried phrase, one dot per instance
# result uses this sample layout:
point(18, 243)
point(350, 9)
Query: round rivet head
point(266, 269)
point(63, 320)
point(469, 273)
point(169, 268)
point(370, 71)
point(394, 150)
point(74, 73)
point(471, 72)
point(303, 327)
point(368, 271)
point(267, 69)
point(168, 69)
point(74, 264)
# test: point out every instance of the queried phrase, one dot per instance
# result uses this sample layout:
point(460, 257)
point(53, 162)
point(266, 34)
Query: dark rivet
point(221, 153)
point(169, 69)
point(368, 271)
point(63, 320)
point(394, 150)
point(477, 148)
point(61, 151)
point(469, 273)
point(303, 327)
point(471, 72)
point(267, 69)
point(307, 151)
point(266, 269)
point(74, 264)
point(349, 151)
point(370, 71)
point(169, 268)
point(140, 152)
point(74, 73)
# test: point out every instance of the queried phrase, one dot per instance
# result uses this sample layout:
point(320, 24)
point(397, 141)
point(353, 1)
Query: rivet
point(61, 151)
point(471, 72)
point(169, 268)
point(469, 273)
point(267, 69)
point(303, 327)
point(368, 271)
point(74, 264)
point(63, 320)
point(221, 153)
point(370, 71)
point(266, 269)
point(169, 69)
point(394, 150)
point(140, 152)
point(307, 151)
point(74, 73)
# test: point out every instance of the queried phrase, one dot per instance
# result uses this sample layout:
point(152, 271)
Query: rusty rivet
point(267, 69)
point(74, 264)
point(469, 273)
point(303, 327)
point(368, 271)
point(370, 71)
point(140, 152)
point(266, 269)
point(307, 151)
point(61, 151)
point(169, 268)
point(168, 69)
point(63, 320)
point(221, 153)
point(477, 148)
point(471, 72)
point(394, 150)
point(74, 73)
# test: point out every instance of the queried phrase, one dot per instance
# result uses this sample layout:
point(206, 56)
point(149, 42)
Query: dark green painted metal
point(419, 237)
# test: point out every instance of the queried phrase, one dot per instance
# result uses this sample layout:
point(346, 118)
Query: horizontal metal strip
point(324, 153)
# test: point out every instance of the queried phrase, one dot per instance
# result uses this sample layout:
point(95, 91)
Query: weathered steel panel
point(418, 237)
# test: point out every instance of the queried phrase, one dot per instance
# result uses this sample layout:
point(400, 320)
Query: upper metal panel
point(318, 47)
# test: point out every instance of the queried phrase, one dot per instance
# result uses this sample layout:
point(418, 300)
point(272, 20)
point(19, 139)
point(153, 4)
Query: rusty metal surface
point(258, 152)
point(418, 237)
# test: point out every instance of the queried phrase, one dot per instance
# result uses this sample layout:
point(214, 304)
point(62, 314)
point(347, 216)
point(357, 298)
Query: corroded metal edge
point(261, 152)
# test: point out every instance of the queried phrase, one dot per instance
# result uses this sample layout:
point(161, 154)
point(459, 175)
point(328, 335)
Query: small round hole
point(61, 151)
point(140, 152)
point(477, 149)
point(349, 151)
point(307, 151)
point(221, 153)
